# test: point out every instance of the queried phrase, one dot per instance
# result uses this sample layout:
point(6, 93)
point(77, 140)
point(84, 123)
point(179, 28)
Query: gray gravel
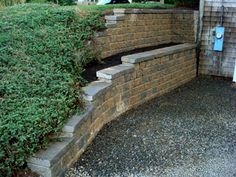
point(188, 132)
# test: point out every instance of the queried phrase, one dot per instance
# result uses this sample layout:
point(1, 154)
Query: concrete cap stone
point(114, 17)
point(119, 11)
point(100, 34)
point(144, 56)
point(77, 120)
point(52, 154)
point(115, 71)
point(95, 89)
point(151, 11)
point(110, 24)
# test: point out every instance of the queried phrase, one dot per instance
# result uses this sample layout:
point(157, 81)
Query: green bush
point(103, 8)
point(188, 3)
point(63, 2)
point(39, 75)
point(170, 1)
point(36, 1)
point(10, 2)
point(60, 2)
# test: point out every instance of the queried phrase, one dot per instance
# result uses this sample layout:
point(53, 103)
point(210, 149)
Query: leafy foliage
point(170, 1)
point(190, 3)
point(60, 2)
point(63, 2)
point(187, 3)
point(155, 5)
point(36, 1)
point(39, 75)
point(10, 2)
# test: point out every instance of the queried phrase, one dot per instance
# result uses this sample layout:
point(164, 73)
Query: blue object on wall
point(219, 39)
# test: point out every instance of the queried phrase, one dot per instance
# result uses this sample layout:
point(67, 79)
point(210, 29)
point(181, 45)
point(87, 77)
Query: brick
point(82, 142)
point(134, 100)
point(138, 89)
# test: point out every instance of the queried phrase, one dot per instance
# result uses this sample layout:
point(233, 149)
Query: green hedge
point(10, 2)
point(39, 75)
point(60, 2)
point(63, 2)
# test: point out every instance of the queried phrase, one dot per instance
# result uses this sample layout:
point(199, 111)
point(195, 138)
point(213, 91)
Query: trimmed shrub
point(10, 2)
point(36, 1)
point(63, 2)
point(39, 75)
point(60, 2)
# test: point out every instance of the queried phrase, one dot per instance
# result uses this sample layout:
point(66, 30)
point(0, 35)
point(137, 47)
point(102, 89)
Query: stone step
point(149, 55)
point(119, 11)
point(77, 124)
point(110, 24)
point(100, 34)
point(95, 89)
point(114, 18)
point(45, 162)
point(115, 71)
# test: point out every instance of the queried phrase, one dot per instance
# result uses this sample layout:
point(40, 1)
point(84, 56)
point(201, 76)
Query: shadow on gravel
point(188, 132)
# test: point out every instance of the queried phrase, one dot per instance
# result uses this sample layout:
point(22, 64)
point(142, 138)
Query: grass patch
point(39, 75)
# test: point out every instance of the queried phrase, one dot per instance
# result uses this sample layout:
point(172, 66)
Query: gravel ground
point(190, 132)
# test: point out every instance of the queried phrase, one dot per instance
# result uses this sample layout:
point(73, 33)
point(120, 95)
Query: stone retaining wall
point(129, 29)
point(138, 79)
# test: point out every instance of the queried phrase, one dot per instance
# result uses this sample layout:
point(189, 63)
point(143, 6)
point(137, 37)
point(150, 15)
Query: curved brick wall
point(129, 29)
point(138, 79)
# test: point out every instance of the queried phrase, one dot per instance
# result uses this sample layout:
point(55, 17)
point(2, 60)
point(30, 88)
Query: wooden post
point(199, 31)
point(200, 20)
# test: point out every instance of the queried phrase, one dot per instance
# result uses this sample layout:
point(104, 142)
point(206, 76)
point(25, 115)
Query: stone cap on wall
point(144, 56)
point(151, 11)
point(115, 71)
point(94, 89)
